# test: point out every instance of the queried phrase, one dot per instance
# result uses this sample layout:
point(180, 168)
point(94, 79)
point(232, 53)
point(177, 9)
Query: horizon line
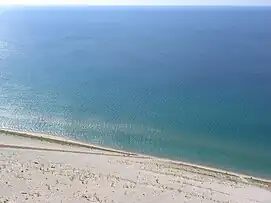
point(135, 5)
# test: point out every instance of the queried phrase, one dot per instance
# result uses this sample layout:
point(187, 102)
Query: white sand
point(77, 174)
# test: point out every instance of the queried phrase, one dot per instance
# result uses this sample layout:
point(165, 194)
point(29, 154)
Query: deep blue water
point(187, 83)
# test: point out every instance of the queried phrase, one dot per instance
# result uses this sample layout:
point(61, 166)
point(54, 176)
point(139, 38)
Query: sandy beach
point(50, 169)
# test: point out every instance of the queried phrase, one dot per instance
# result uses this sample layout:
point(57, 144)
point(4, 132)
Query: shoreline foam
point(67, 141)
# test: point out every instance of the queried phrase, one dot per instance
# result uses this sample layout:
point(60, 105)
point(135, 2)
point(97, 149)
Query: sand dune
point(33, 170)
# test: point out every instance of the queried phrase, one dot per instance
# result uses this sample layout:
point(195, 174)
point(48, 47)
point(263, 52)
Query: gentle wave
point(34, 121)
point(8, 49)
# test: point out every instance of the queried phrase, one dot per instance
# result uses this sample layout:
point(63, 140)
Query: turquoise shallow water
point(185, 83)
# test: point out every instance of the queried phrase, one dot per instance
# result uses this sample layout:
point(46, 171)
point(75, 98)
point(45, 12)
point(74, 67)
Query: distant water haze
point(186, 83)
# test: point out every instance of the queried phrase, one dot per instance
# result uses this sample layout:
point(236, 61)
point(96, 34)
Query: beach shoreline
point(68, 141)
point(43, 168)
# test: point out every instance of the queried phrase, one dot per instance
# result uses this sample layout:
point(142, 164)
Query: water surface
point(187, 83)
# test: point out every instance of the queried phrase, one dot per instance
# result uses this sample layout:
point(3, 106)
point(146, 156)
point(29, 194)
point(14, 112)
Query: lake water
point(186, 83)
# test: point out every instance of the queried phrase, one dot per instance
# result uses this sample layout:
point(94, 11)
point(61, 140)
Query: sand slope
point(76, 174)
